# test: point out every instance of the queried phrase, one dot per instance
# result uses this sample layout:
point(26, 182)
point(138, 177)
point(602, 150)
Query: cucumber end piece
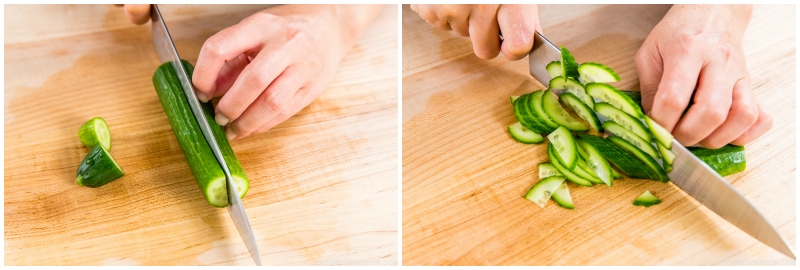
point(647, 199)
point(95, 131)
point(79, 180)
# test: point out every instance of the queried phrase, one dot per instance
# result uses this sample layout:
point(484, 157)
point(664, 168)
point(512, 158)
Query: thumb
point(650, 67)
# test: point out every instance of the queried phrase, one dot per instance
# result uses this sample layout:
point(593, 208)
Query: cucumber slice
point(94, 132)
point(554, 68)
point(558, 114)
point(513, 98)
point(542, 190)
point(667, 154)
point(565, 146)
point(581, 109)
point(541, 115)
point(562, 198)
point(597, 162)
point(661, 135)
point(615, 173)
point(636, 96)
point(623, 119)
point(567, 173)
point(557, 83)
point(656, 172)
point(646, 199)
point(631, 166)
point(624, 133)
point(523, 135)
point(524, 117)
point(546, 169)
point(726, 160)
point(576, 88)
point(608, 94)
point(98, 168)
point(584, 171)
point(569, 67)
point(596, 72)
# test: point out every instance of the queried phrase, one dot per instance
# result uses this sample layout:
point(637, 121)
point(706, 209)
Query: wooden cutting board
point(464, 178)
point(323, 184)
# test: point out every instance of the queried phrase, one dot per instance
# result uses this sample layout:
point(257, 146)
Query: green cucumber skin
point(524, 117)
point(656, 172)
point(88, 137)
point(98, 168)
point(201, 160)
point(726, 160)
point(565, 172)
point(628, 164)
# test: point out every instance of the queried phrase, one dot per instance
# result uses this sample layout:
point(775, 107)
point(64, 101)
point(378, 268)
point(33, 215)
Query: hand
point(137, 13)
point(270, 65)
point(483, 24)
point(697, 50)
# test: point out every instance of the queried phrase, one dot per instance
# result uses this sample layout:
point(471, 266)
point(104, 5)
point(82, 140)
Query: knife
point(168, 53)
point(689, 173)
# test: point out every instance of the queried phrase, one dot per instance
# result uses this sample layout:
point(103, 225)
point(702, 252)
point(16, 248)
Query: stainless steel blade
point(689, 173)
point(706, 186)
point(168, 53)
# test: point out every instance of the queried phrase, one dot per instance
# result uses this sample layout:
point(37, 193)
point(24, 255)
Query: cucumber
point(630, 166)
point(596, 72)
point(635, 96)
point(576, 88)
point(526, 117)
point(661, 135)
point(567, 173)
point(562, 198)
point(94, 132)
point(565, 147)
point(546, 169)
point(615, 173)
point(667, 154)
point(538, 110)
point(554, 68)
point(542, 190)
point(569, 67)
point(646, 199)
point(623, 119)
point(581, 109)
point(523, 135)
point(558, 114)
point(624, 133)
point(656, 172)
point(726, 160)
point(584, 171)
point(513, 98)
point(98, 168)
point(597, 162)
point(608, 94)
point(204, 166)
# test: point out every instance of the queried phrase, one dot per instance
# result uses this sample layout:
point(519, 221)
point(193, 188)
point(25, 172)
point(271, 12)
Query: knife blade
point(689, 173)
point(168, 53)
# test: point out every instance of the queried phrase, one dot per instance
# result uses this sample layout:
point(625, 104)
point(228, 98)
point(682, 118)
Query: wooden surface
point(323, 184)
point(464, 178)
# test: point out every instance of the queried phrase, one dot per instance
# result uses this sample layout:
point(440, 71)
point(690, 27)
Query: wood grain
point(323, 184)
point(464, 178)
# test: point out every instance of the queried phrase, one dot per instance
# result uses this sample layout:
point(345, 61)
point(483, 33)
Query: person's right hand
point(484, 23)
point(137, 13)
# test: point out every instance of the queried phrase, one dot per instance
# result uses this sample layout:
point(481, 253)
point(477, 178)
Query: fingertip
point(137, 13)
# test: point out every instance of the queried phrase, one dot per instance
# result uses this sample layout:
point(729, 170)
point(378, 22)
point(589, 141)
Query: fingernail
point(202, 97)
point(221, 119)
point(230, 134)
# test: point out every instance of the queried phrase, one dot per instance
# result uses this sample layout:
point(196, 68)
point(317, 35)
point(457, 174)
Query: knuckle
point(749, 115)
point(713, 114)
point(214, 46)
point(669, 98)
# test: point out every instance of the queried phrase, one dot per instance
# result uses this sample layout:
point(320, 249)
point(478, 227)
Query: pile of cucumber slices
point(610, 128)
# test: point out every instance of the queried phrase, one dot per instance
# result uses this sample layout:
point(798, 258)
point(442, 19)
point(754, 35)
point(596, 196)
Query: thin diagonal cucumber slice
point(562, 198)
point(569, 67)
point(523, 135)
point(632, 138)
point(661, 135)
point(546, 169)
point(581, 109)
point(656, 172)
point(551, 153)
point(583, 170)
point(608, 94)
point(558, 114)
point(596, 72)
point(597, 162)
point(576, 88)
point(95, 132)
point(554, 68)
point(565, 146)
point(630, 165)
point(667, 156)
point(646, 199)
point(524, 117)
point(538, 110)
point(542, 190)
point(623, 119)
